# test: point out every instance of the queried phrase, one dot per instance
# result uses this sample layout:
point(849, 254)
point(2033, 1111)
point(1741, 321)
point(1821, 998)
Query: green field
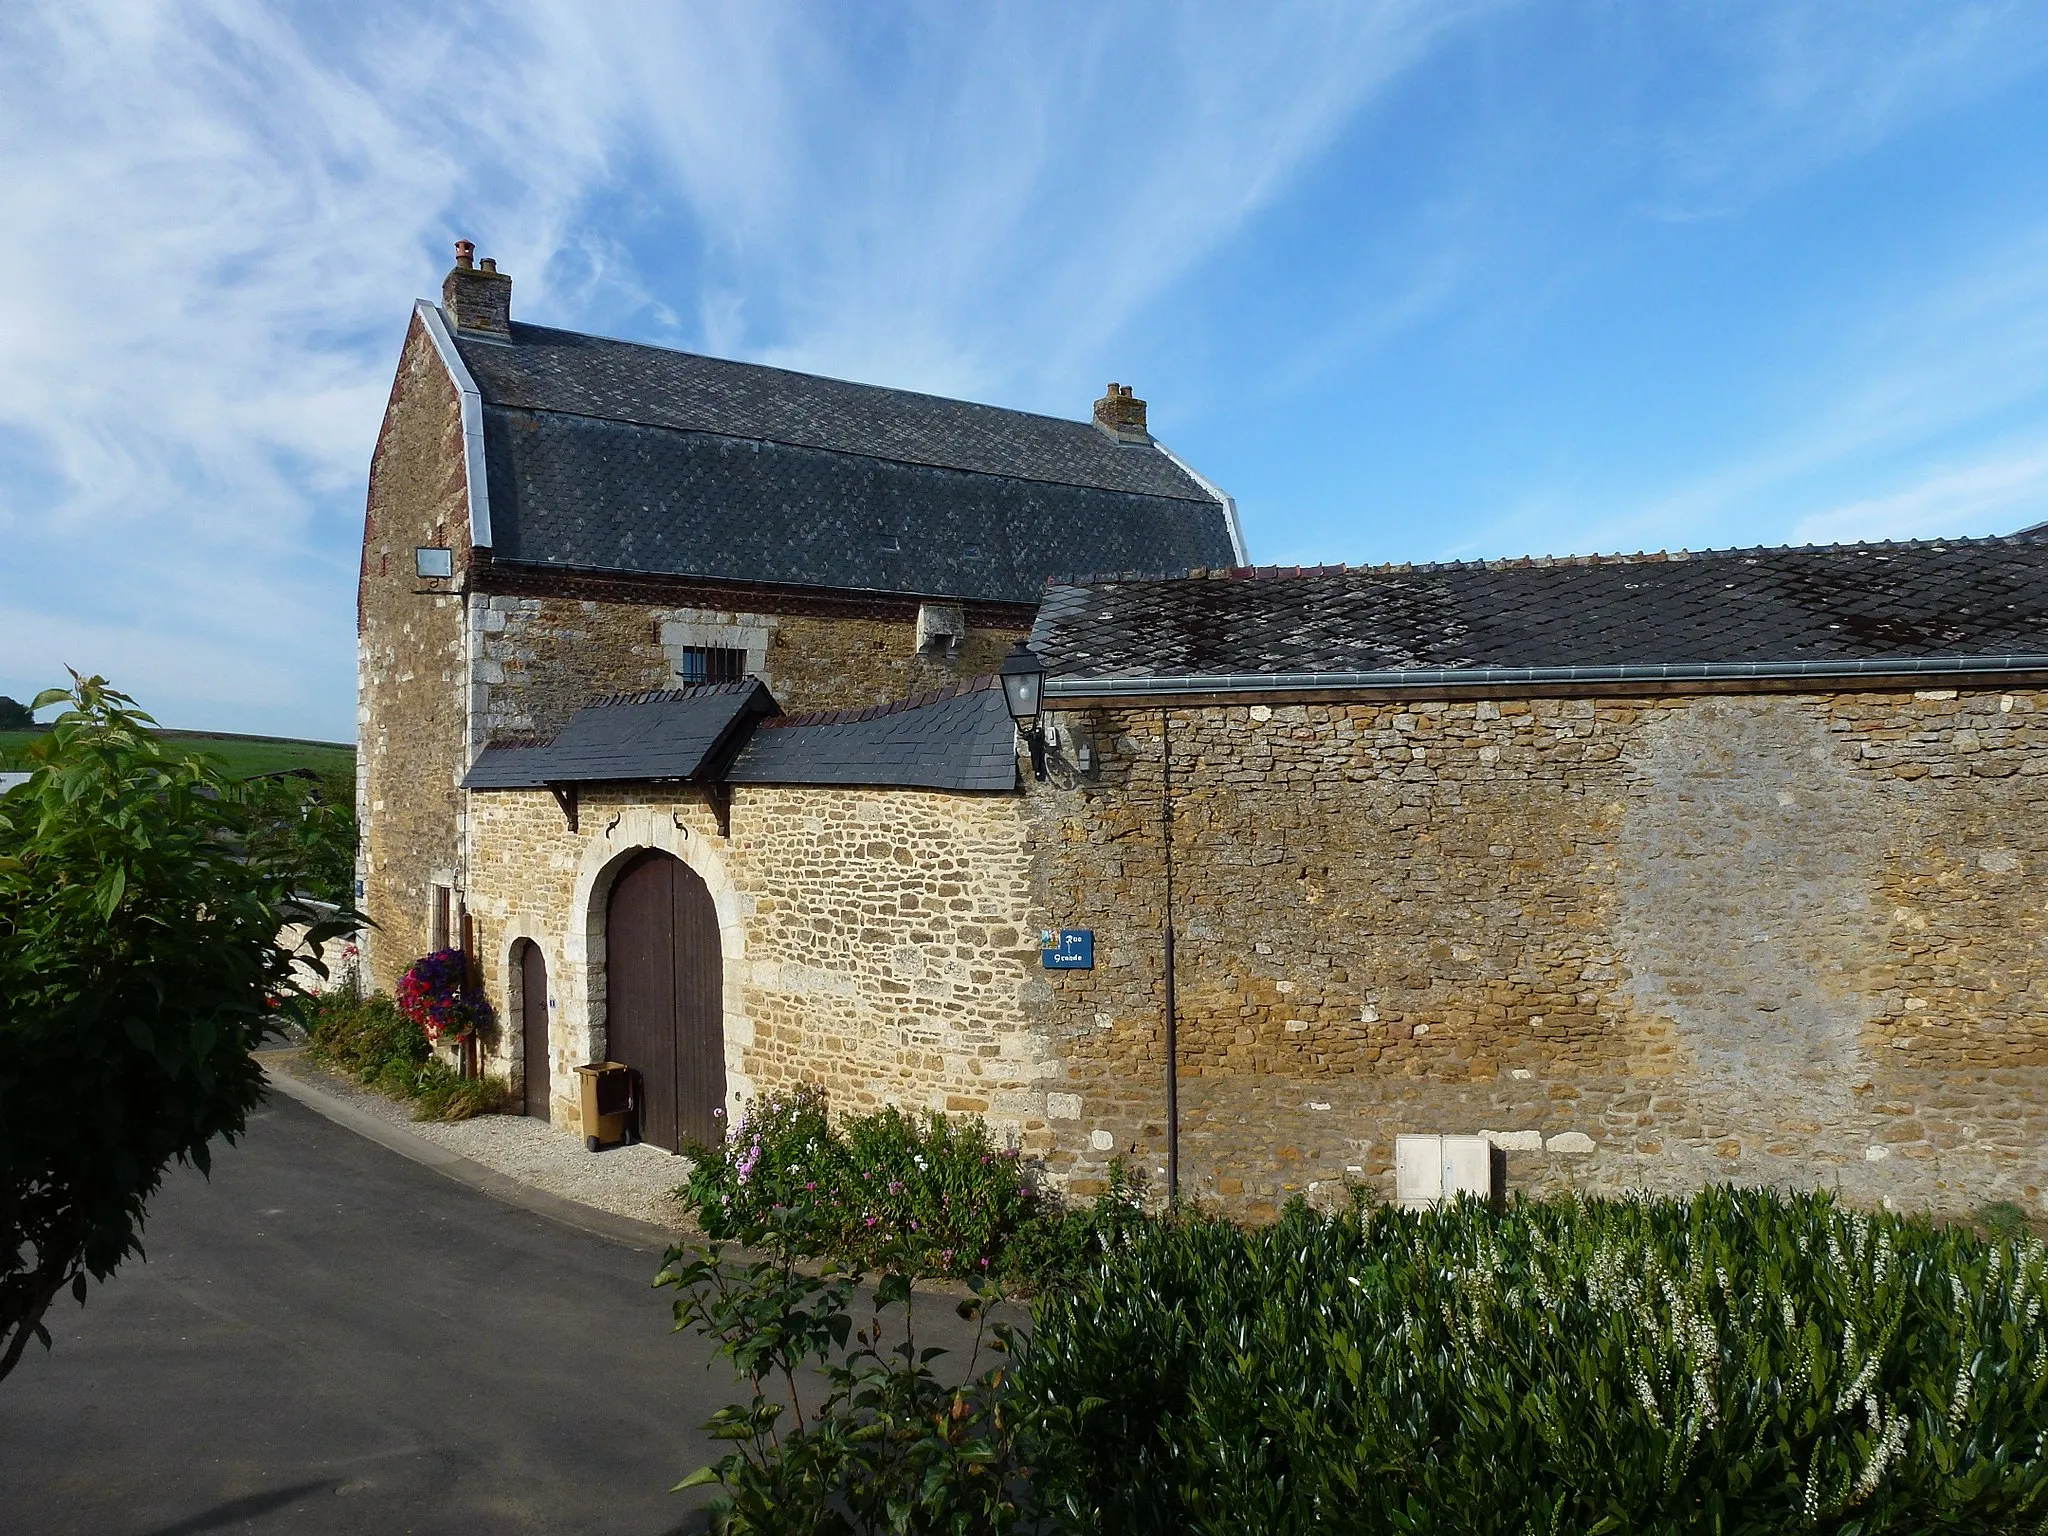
point(243, 756)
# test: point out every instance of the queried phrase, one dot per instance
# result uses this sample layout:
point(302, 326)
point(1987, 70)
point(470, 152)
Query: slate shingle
point(964, 741)
point(1957, 597)
point(607, 455)
point(960, 739)
point(672, 734)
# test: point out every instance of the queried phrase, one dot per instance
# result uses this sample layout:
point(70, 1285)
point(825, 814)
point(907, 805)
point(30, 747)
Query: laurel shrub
point(936, 1194)
point(1737, 1362)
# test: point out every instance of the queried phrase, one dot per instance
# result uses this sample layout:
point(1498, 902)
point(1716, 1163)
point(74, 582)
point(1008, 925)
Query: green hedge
point(1732, 1363)
point(361, 1035)
point(370, 1040)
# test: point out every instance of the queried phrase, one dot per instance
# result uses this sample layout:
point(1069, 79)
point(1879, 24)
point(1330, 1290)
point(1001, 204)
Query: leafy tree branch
point(141, 898)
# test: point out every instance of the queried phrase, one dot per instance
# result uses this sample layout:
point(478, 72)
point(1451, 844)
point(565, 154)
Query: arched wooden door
point(664, 997)
point(533, 1026)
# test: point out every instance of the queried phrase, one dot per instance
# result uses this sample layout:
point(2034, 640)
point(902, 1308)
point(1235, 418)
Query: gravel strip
point(626, 1181)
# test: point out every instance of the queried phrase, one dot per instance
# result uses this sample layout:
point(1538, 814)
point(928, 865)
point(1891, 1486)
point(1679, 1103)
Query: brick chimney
point(478, 298)
point(1122, 415)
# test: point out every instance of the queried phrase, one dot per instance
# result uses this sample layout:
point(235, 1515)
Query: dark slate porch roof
point(730, 733)
point(956, 740)
point(1849, 604)
point(681, 733)
point(611, 456)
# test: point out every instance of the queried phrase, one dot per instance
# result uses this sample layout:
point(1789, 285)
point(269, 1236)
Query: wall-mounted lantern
point(1023, 677)
point(434, 564)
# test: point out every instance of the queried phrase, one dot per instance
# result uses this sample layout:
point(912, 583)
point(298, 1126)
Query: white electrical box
point(1418, 1170)
point(1429, 1170)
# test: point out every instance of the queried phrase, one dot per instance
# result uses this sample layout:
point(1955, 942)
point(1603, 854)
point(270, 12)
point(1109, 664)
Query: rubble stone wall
point(411, 664)
point(1645, 943)
point(1651, 943)
point(878, 942)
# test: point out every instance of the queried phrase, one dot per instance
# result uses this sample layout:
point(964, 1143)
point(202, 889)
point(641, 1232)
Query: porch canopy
point(959, 738)
point(679, 733)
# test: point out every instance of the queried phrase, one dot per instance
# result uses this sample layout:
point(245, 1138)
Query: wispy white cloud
point(218, 210)
point(1735, 101)
point(968, 200)
point(1997, 493)
point(216, 217)
point(1658, 116)
point(1902, 400)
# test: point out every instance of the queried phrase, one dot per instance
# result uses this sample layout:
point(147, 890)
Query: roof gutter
point(472, 420)
point(1457, 679)
point(1228, 503)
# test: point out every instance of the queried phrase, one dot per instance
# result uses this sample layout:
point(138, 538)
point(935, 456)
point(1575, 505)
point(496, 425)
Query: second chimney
point(1122, 415)
point(478, 298)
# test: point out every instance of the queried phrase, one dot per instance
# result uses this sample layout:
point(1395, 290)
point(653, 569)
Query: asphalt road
point(329, 1337)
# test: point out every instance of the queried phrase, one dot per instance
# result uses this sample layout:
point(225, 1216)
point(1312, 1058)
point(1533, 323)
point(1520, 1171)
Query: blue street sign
point(1071, 949)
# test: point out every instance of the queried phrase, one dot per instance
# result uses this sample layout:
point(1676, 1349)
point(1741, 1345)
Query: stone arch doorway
point(535, 1049)
point(665, 997)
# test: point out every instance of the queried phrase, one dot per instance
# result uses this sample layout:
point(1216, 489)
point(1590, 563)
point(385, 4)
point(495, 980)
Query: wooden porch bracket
point(565, 797)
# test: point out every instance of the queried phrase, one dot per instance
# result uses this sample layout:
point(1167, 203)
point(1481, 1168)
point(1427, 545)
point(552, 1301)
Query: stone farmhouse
point(678, 710)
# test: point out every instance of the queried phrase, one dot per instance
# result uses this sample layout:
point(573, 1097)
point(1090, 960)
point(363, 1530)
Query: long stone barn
point(678, 709)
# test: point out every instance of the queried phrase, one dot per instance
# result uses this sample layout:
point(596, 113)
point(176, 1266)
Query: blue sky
point(1413, 281)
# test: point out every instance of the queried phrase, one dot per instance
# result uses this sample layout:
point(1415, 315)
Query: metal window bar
point(710, 664)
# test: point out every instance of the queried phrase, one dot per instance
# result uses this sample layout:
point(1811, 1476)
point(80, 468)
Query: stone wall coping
point(1860, 671)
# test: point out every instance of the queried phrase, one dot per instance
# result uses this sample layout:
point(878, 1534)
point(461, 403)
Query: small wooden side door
point(533, 1027)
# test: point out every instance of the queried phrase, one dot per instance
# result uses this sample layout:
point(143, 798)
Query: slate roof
point(957, 740)
point(1862, 602)
point(612, 456)
point(680, 733)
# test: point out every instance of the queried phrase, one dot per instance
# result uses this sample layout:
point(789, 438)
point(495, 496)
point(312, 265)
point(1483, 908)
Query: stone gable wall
point(1647, 943)
point(411, 663)
point(877, 942)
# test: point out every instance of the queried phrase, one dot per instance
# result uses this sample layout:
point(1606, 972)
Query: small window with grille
point(710, 664)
